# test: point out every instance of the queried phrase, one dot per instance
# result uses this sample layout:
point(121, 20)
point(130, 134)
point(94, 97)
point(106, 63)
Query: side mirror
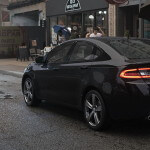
point(39, 60)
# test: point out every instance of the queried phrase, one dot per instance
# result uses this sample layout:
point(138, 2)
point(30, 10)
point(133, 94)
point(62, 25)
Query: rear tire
point(95, 111)
point(29, 93)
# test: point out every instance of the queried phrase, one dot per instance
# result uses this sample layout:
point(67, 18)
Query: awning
point(145, 11)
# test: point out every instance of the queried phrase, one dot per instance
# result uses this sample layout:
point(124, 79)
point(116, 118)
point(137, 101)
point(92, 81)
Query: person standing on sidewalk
point(97, 32)
point(90, 31)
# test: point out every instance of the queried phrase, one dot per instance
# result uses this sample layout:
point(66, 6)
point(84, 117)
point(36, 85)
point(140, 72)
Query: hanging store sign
point(72, 5)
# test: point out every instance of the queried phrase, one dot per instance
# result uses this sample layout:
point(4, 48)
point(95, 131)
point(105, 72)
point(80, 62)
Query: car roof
point(103, 42)
point(108, 38)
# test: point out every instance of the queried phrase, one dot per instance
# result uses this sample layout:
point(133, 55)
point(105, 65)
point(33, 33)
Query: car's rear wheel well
point(90, 103)
point(88, 89)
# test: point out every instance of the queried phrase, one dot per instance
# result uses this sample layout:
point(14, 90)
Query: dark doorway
point(131, 20)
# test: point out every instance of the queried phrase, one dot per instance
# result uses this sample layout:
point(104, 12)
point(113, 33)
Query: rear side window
point(100, 55)
point(82, 52)
point(130, 48)
point(85, 51)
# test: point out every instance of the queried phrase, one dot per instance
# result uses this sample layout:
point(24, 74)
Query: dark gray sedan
point(106, 78)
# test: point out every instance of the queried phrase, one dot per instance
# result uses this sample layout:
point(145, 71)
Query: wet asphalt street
point(50, 127)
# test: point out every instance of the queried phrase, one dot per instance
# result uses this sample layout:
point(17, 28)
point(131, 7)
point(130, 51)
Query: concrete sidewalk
point(13, 66)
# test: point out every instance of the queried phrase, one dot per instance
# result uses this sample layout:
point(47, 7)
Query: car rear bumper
point(132, 100)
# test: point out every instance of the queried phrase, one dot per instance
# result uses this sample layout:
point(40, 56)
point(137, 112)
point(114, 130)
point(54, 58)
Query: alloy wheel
point(93, 109)
point(28, 91)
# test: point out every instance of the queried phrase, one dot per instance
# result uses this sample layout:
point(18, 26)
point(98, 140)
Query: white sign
point(72, 5)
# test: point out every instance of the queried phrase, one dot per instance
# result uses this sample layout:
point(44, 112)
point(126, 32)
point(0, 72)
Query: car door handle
point(84, 67)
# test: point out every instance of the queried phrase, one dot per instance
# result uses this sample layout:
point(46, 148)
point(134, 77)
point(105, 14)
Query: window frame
point(94, 60)
point(57, 49)
point(103, 54)
point(77, 42)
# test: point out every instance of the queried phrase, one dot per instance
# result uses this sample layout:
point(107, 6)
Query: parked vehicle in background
point(106, 78)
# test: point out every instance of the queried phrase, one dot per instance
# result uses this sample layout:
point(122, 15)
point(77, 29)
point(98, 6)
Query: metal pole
point(82, 26)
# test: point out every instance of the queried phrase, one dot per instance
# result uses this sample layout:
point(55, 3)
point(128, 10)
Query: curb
point(12, 73)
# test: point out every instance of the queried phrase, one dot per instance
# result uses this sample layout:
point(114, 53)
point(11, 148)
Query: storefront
point(129, 21)
point(79, 16)
point(144, 14)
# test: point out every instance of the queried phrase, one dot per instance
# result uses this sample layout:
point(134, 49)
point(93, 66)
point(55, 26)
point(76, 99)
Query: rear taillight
point(135, 73)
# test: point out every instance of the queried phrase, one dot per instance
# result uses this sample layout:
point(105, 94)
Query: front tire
point(29, 93)
point(95, 111)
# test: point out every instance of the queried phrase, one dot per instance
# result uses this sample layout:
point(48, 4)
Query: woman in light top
point(97, 32)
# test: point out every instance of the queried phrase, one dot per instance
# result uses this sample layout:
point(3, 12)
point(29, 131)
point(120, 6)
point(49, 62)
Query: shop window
point(146, 29)
point(88, 22)
point(53, 21)
point(102, 20)
point(96, 19)
point(62, 20)
point(75, 25)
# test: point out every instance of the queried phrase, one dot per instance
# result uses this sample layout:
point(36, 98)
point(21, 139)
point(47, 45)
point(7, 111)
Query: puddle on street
point(7, 86)
point(1, 92)
point(5, 95)
point(7, 78)
point(8, 97)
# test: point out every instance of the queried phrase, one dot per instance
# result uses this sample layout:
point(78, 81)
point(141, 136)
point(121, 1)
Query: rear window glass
point(130, 48)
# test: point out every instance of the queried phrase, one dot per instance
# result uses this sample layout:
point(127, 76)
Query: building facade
point(79, 16)
point(27, 12)
point(128, 21)
point(26, 17)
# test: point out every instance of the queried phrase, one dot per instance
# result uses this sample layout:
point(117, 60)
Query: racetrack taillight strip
point(135, 73)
